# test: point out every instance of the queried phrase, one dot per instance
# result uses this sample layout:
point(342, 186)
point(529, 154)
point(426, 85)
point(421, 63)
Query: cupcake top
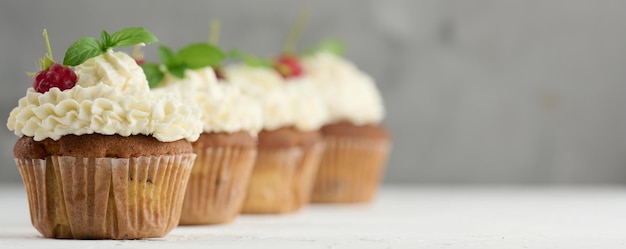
point(349, 94)
point(223, 107)
point(106, 94)
point(110, 97)
point(291, 102)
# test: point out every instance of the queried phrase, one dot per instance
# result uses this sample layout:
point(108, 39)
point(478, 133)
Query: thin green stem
point(214, 32)
point(137, 53)
point(295, 32)
point(45, 35)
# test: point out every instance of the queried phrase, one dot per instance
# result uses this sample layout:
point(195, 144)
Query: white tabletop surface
point(401, 217)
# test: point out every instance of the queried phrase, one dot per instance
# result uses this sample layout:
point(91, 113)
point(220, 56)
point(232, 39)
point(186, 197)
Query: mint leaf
point(167, 56)
point(131, 36)
point(89, 47)
point(82, 50)
point(153, 74)
point(249, 59)
point(333, 46)
point(260, 62)
point(106, 39)
point(193, 56)
point(178, 71)
point(199, 55)
point(238, 54)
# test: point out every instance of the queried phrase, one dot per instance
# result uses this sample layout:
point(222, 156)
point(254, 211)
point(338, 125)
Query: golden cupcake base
point(105, 198)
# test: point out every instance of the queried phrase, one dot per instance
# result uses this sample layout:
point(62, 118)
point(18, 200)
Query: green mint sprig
point(89, 47)
point(249, 59)
point(192, 56)
point(333, 46)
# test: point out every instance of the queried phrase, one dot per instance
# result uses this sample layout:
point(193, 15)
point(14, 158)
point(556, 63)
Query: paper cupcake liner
point(270, 186)
point(282, 179)
point(350, 169)
point(305, 174)
point(217, 185)
point(105, 198)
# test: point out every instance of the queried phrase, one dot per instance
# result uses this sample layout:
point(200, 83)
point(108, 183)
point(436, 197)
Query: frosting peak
point(114, 69)
point(292, 102)
point(349, 94)
point(224, 108)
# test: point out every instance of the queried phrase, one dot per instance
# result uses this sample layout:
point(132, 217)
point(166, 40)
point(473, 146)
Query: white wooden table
point(402, 217)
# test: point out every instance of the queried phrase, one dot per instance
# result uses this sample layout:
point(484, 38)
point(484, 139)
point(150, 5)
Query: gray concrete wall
point(477, 91)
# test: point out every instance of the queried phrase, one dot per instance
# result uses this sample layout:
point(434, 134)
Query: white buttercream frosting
point(349, 94)
point(292, 102)
point(111, 96)
point(224, 108)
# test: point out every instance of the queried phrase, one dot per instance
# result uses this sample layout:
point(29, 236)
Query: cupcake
point(290, 144)
point(357, 145)
point(102, 157)
point(227, 147)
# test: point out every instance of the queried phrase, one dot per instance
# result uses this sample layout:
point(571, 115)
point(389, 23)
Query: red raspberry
point(219, 72)
point(288, 66)
point(57, 76)
point(139, 61)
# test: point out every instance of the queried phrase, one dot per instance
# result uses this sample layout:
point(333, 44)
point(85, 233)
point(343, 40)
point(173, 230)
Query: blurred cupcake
point(290, 144)
point(100, 156)
point(357, 145)
point(227, 147)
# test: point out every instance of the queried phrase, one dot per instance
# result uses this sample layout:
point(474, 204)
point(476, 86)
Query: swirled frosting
point(224, 108)
point(349, 94)
point(111, 96)
point(292, 102)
